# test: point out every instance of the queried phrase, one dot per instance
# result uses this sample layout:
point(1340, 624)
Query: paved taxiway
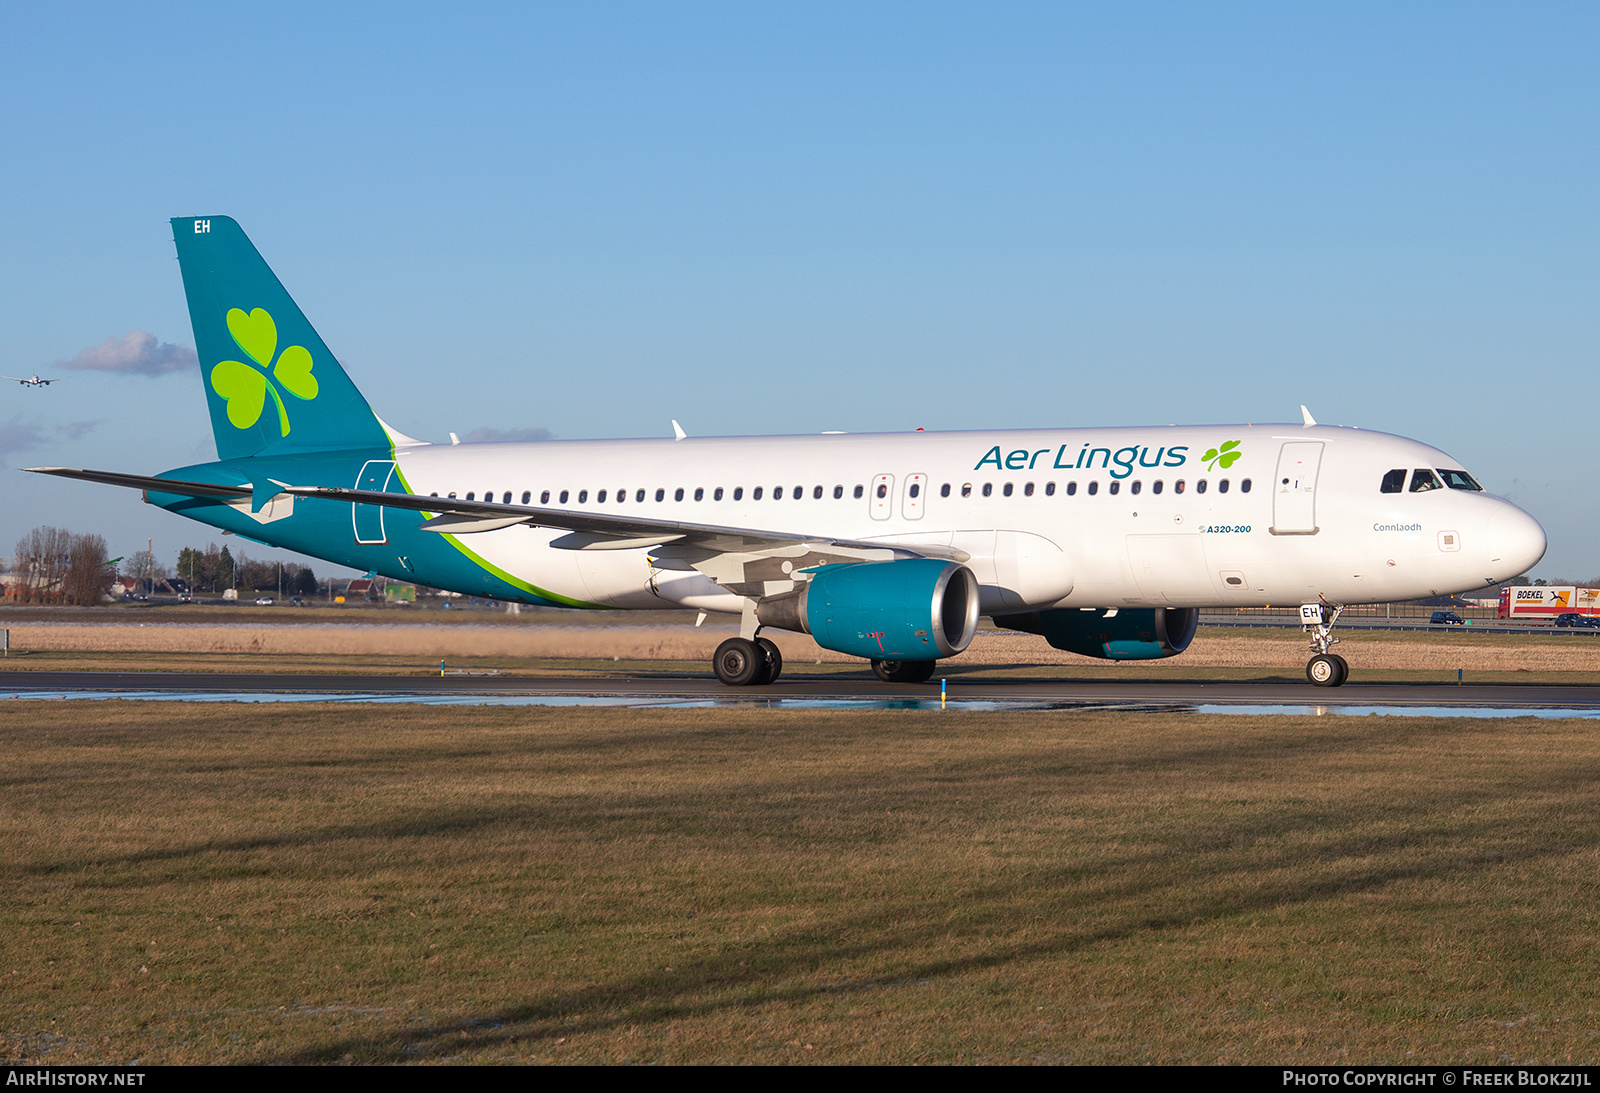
point(841, 687)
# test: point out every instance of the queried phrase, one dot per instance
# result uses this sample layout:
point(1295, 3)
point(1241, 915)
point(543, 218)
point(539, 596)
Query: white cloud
point(137, 352)
point(19, 435)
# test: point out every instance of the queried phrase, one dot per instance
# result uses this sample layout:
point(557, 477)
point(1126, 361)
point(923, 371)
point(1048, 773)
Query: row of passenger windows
point(1007, 489)
point(661, 495)
point(1114, 487)
point(1423, 480)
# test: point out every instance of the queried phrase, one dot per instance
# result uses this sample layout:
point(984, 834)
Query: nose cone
point(1516, 542)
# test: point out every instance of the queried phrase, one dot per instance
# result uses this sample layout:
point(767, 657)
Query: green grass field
point(318, 883)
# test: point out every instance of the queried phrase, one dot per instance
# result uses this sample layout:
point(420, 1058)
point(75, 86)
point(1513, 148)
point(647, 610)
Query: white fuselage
point(1033, 513)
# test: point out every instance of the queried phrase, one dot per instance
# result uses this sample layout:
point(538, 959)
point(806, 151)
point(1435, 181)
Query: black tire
point(1322, 670)
point(774, 667)
point(738, 663)
point(904, 671)
point(1344, 669)
point(763, 666)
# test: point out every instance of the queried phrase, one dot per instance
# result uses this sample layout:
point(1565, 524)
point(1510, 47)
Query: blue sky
point(787, 218)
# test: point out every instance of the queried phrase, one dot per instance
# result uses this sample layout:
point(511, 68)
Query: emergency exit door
point(881, 503)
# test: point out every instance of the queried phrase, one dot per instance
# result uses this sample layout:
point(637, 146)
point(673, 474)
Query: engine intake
point(911, 609)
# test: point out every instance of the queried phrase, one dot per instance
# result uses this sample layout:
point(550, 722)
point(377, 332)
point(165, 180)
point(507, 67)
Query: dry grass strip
point(1214, 648)
point(308, 883)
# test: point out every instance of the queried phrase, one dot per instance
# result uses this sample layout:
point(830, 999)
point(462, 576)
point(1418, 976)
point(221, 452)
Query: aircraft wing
point(590, 530)
point(749, 561)
point(746, 561)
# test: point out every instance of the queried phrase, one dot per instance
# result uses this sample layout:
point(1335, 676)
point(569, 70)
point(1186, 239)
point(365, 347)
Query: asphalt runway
point(817, 689)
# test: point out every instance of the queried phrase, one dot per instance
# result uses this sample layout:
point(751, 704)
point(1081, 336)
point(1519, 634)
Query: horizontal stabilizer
point(145, 482)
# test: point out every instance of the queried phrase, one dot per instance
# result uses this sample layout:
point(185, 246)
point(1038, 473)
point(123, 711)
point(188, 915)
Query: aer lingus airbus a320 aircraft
point(883, 546)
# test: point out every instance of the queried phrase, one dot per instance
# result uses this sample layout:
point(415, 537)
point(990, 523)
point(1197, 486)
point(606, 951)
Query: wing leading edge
point(747, 561)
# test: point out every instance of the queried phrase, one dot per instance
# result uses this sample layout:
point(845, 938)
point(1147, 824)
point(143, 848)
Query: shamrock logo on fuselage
point(245, 386)
point(1223, 456)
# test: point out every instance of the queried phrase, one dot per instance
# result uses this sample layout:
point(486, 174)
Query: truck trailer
point(1547, 601)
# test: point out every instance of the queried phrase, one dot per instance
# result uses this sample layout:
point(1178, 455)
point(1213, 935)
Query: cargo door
point(1294, 491)
point(1171, 569)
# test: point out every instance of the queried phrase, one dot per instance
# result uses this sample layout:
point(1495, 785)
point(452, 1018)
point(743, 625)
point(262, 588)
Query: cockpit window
point(1422, 480)
point(1459, 480)
point(1394, 481)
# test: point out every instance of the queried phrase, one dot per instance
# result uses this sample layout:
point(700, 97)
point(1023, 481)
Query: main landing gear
point(745, 662)
point(1324, 669)
point(742, 662)
point(904, 671)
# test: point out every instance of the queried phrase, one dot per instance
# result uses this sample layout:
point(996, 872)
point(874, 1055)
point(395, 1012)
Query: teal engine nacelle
point(1118, 634)
point(911, 609)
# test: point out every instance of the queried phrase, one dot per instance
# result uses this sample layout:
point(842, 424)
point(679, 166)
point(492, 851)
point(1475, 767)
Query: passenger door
point(1294, 490)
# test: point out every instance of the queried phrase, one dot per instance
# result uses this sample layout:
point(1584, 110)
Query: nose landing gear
point(1327, 670)
point(1324, 669)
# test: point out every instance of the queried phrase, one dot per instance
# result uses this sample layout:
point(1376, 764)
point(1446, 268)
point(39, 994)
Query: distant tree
point(192, 567)
point(53, 564)
point(225, 572)
point(211, 565)
point(257, 575)
point(88, 578)
point(144, 569)
point(42, 558)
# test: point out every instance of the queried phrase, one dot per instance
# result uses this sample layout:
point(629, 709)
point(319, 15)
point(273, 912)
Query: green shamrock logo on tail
point(245, 386)
point(1223, 456)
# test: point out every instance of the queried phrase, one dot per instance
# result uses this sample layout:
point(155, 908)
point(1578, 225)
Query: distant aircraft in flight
point(32, 381)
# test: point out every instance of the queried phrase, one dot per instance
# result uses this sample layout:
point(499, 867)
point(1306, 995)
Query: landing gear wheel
point(904, 671)
point(738, 662)
point(774, 666)
point(1327, 670)
point(1324, 669)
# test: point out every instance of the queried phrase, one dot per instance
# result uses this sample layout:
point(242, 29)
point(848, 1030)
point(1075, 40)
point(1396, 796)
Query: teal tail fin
point(270, 381)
